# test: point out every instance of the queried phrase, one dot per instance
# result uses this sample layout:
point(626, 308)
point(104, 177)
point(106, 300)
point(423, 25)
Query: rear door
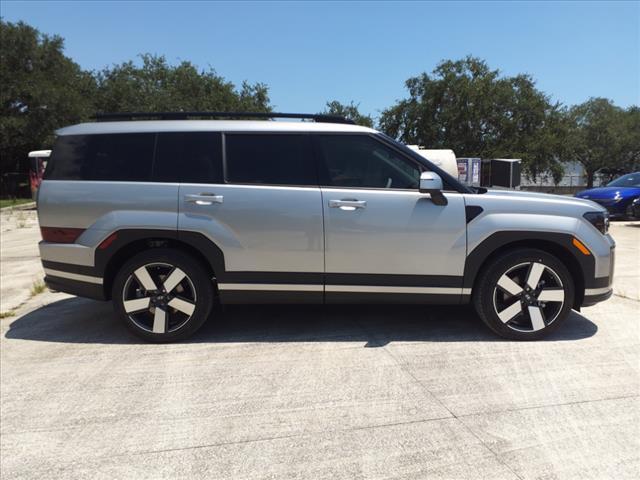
point(385, 241)
point(264, 211)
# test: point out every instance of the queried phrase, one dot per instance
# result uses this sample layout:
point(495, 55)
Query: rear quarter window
point(107, 157)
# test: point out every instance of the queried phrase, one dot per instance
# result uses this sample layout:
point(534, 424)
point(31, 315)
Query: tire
point(169, 302)
point(508, 305)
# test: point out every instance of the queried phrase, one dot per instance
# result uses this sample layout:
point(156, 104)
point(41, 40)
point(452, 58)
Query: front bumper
point(593, 296)
point(600, 289)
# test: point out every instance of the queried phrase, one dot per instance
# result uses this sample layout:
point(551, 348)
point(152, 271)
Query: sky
point(309, 53)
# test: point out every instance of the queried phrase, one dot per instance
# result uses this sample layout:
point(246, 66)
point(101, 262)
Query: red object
point(60, 235)
point(108, 241)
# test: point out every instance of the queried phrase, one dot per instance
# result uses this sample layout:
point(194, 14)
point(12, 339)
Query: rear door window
point(188, 157)
point(270, 159)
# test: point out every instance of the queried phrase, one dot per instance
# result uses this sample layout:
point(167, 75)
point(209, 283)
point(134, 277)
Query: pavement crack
point(550, 405)
point(212, 445)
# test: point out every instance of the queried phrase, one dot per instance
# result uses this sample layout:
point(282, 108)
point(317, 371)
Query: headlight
point(600, 220)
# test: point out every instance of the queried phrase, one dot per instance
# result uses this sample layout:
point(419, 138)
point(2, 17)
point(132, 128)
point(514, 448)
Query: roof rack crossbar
point(321, 118)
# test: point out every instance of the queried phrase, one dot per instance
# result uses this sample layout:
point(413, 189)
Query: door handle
point(347, 204)
point(204, 198)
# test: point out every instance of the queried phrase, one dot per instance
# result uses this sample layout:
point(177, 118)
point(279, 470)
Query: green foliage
point(348, 111)
point(630, 139)
point(14, 202)
point(468, 107)
point(603, 137)
point(463, 105)
point(156, 86)
point(42, 90)
point(37, 287)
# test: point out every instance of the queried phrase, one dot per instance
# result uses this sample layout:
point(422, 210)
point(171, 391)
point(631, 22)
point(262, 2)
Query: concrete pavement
point(20, 267)
point(322, 392)
point(627, 273)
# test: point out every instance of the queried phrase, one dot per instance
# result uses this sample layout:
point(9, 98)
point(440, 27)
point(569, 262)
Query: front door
point(385, 241)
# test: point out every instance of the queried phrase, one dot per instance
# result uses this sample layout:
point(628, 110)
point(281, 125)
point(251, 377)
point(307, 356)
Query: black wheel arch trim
point(561, 242)
point(104, 258)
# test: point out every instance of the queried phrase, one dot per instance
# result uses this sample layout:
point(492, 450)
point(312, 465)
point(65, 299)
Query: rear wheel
point(163, 295)
point(524, 295)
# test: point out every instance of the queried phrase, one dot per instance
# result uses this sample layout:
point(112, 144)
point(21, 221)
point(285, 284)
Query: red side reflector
point(108, 241)
point(60, 235)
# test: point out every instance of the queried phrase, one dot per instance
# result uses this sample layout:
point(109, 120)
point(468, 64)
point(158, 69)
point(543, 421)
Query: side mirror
point(431, 183)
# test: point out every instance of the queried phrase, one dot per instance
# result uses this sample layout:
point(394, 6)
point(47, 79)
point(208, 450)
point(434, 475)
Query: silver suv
point(169, 217)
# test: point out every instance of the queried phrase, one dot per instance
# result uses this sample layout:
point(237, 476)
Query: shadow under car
point(79, 320)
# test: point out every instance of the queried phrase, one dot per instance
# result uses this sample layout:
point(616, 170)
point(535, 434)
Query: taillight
point(60, 235)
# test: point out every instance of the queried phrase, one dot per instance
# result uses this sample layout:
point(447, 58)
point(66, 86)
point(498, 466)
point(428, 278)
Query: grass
point(14, 202)
point(37, 288)
point(10, 313)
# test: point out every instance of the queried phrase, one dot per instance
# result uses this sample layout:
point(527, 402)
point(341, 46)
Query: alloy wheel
point(528, 297)
point(159, 298)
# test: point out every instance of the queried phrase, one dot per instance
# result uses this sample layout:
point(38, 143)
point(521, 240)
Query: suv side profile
point(168, 217)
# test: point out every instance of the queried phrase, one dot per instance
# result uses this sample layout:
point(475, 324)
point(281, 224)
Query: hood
point(603, 193)
point(543, 198)
point(532, 195)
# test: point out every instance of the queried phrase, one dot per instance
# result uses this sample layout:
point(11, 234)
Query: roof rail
point(106, 117)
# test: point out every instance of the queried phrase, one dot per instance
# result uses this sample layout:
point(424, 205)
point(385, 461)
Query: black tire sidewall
point(483, 293)
point(198, 275)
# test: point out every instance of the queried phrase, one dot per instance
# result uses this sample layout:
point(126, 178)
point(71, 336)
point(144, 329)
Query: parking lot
point(315, 392)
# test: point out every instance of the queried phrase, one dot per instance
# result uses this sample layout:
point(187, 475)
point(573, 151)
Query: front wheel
point(163, 295)
point(524, 294)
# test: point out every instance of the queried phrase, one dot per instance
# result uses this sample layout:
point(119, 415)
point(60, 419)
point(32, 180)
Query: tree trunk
point(590, 175)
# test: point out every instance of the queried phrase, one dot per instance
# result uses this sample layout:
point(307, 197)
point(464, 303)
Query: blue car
point(617, 196)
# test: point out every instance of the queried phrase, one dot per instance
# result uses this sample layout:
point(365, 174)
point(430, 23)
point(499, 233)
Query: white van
point(444, 158)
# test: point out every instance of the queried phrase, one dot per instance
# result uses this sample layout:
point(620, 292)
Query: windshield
point(631, 180)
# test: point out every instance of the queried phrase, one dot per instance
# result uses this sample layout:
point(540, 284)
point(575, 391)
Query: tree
point(42, 90)
point(603, 137)
point(156, 86)
point(348, 111)
point(468, 107)
point(630, 139)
